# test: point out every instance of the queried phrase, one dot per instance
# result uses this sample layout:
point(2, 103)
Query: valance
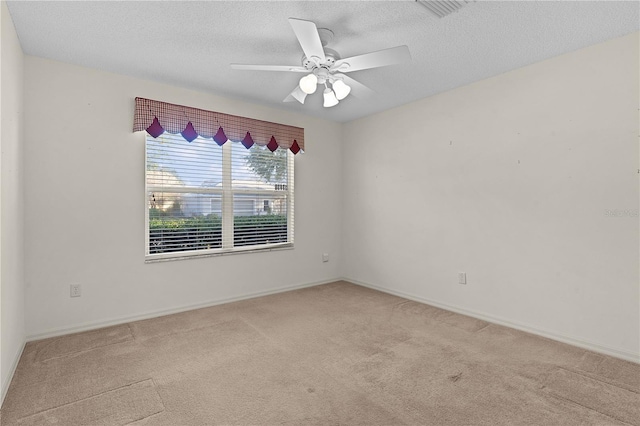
point(156, 117)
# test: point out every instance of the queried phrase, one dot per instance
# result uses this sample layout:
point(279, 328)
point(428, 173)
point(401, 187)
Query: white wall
point(508, 179)
point(12, 330)
point(85, 201)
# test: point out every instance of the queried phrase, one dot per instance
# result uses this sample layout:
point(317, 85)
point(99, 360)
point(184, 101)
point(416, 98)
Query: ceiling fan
point(324, 66)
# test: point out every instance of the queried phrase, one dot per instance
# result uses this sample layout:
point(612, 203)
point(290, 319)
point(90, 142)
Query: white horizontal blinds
point(205, 197)
point(290, 197)
point(184, 190)
point(260, 195)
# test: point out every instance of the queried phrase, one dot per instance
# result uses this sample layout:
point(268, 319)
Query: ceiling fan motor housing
point(331, 56)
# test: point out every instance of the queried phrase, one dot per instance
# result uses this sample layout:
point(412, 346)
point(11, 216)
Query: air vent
point(442, 8)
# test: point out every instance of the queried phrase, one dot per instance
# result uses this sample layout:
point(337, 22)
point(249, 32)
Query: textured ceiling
point(191, 44)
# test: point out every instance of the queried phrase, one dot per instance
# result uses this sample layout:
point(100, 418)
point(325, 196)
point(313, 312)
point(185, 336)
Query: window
point(209, 199)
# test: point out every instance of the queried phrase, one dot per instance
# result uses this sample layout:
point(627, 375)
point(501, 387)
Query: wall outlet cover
point(76, 290)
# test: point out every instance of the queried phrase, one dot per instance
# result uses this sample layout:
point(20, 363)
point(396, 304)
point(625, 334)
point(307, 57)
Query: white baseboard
point(595, 347)
point(153, 314)
point(7, 381)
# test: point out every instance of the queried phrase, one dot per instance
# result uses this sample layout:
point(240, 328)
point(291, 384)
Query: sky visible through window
point(199, 163)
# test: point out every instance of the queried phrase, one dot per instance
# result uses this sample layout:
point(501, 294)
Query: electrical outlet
point(325, 257)
point(76, 290)
point(462, 278)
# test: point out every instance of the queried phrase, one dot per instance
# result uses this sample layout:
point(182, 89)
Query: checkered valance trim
point(156, 117)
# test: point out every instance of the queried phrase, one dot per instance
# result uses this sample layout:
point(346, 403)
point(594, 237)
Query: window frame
point(226, 194)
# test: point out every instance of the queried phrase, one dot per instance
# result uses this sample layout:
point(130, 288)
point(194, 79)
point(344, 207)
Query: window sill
point(156, 258)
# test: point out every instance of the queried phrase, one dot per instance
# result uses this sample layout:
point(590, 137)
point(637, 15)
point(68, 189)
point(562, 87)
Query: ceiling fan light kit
point(330, 98)
point(309, 84)
point(341, 89)
point(322, 75)
point(325, 66)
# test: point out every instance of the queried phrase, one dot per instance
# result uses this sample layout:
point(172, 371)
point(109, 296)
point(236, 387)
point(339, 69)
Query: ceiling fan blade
point(291, 68)
point(381, 58)
point(307, 34)
point(296, 95)
point(358, 89)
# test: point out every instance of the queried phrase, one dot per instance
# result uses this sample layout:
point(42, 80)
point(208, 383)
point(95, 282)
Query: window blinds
point(206, 198)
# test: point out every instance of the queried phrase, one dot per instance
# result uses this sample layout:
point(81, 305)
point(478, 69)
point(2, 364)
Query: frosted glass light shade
point(341, 89)
point(309, 83)
point(329, 98)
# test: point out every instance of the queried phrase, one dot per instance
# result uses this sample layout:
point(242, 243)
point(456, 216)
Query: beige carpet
point(326, 355)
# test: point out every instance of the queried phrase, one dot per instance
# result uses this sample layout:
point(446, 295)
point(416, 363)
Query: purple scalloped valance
point(156, 117)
